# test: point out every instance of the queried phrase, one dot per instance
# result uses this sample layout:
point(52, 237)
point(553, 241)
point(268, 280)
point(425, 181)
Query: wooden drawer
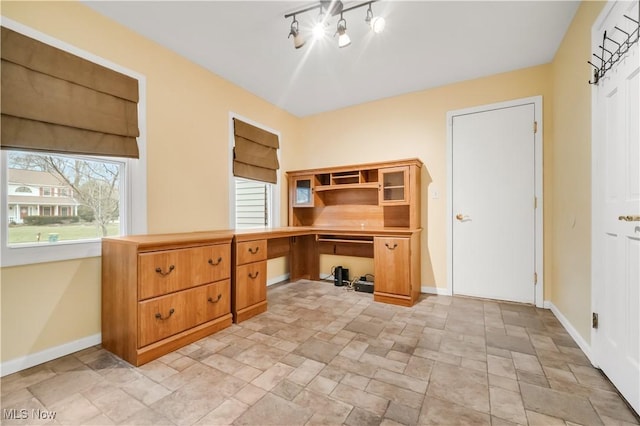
point(168, 271)
point(213, 301)
point(251, 251)
point(165, 316)
point(251, 284)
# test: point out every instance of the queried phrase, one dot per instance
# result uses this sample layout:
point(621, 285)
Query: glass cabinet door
point(394, 187)
point(303, 191)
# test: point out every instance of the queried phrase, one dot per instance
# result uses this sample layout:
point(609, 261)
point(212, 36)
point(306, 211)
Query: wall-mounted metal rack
point(613, 49)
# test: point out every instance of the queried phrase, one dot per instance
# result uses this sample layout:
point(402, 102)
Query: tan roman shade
point(55, 101)
point(255, 154)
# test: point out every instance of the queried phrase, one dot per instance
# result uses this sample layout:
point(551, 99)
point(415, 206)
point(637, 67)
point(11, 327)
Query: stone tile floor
point(324, 355)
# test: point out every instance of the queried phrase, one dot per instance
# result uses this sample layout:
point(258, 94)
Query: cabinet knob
point(215, 301)
point(171, 268)
point(216, 263)
point(160, 317)
point(254, 251)
point(254, 276)
point(391, 248)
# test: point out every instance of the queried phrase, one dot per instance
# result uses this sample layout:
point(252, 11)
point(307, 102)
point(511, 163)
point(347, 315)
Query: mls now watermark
point(24, 414)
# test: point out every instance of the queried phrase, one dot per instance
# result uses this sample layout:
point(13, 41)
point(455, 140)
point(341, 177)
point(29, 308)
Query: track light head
point(298, 40)
point(377, 23)
point(343, 38)
point(318, 29)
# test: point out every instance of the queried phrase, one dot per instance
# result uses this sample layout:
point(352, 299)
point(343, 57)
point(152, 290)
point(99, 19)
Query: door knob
point(461, 217)
point(629, 218)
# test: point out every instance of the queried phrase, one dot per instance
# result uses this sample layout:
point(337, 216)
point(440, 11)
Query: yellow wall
point(414, 125)
point(571, 171)
point(43, 306)
point(187, 169)
point(49, 304)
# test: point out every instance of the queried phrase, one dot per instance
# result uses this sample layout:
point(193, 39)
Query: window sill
point(49, 252)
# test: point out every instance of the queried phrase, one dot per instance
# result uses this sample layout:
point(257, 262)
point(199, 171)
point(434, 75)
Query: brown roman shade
point(255, 154)
point(55, 101)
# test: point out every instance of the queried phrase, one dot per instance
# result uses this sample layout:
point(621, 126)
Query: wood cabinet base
point(250, 311)
point(394, 299)
point(170, 344)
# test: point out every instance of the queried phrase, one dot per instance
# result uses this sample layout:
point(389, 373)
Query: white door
point(616, 214)
point(493, 190)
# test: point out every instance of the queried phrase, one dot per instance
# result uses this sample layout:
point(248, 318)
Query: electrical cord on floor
point(331, 276)
point(349, 286)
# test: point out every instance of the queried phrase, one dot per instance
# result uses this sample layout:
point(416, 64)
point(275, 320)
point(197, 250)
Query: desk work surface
point(293, 231)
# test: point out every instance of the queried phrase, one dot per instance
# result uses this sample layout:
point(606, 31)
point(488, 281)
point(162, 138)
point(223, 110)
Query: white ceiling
point(425, 44)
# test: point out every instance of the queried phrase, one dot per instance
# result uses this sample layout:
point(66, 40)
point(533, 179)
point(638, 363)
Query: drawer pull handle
point(391, 248)
point(160, 317)
point(254, 251)
point(253, 277)
point(216, 263)
point(215, 301)
point(171, 268)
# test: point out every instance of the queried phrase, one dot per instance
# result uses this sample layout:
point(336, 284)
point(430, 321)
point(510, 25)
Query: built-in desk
point(160, 292)
point(396, 254)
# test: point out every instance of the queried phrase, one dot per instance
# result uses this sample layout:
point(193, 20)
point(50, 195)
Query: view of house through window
point(54, 198)
point(253, 203)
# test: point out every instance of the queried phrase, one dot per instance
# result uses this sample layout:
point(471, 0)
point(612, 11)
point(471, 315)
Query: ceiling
point(425, 44)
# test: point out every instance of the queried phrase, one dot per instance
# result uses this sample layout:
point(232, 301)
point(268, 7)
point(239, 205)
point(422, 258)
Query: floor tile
point(460, 385)
point(507, 405)
point(358, 398)
point(332, 410)
point(402, 414)
point(511, 343)
point(559, 404)
point(395, 393)
point(274, 410)
point(225, 413)
point(59, 387)
point(440, 412)
point(318, 350)
point(362, 417)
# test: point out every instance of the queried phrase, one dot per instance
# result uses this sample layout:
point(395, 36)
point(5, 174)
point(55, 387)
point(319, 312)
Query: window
point(99, 203)
point(105, 206)
point(253, 203)
point(46, 192)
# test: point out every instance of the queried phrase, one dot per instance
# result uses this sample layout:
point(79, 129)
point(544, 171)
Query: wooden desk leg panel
point(304, 258)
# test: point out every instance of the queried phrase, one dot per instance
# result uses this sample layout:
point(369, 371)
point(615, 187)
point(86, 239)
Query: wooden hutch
point(367, 210)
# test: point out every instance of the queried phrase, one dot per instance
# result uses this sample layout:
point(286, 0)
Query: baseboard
point(278, 279)
point(440, 291)
point(22, 363)
point(586, 348)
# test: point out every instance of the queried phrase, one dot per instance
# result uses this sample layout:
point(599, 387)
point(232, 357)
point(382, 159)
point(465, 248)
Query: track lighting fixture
point(298, 40)
point(343, 38)
point(333, 8)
